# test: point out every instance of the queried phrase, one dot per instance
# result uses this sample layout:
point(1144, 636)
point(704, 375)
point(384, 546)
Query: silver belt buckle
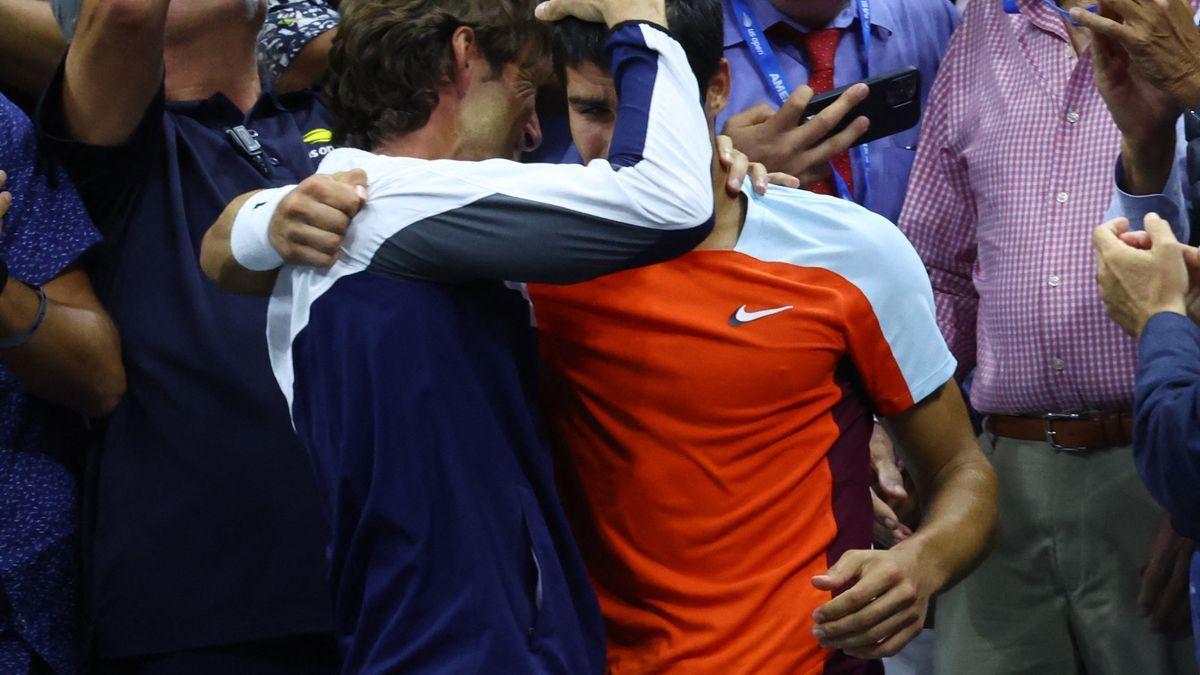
point(1052, 436)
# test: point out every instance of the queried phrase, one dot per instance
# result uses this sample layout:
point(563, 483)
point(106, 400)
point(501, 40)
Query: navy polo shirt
point(206, 527)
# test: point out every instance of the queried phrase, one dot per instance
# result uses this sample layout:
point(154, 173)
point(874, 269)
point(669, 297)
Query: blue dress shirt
point(46, 232)
point(903, 32)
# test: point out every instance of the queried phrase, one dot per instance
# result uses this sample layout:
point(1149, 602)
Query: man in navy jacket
point(1151, 287)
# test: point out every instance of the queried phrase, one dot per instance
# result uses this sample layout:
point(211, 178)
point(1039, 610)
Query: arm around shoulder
point(74, 357)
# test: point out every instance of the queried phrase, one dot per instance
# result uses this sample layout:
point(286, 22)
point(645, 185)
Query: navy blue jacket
point(1166, 434)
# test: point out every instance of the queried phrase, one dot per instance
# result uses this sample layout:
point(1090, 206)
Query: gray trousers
point(1059, 593)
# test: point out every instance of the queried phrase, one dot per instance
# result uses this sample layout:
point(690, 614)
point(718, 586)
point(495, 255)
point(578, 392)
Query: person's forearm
point(309, 66)
point(956, 484)
point(959, 522)
point(31, 45)
point(220, 265)
point(74, 358)
point(114, 69)
point(1147, 162)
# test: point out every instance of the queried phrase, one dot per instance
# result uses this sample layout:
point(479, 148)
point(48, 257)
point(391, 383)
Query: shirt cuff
point(1167, 332)
point(1168, 204)
point(250, 237)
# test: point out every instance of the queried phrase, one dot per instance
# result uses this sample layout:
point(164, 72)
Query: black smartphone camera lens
point(902, 90)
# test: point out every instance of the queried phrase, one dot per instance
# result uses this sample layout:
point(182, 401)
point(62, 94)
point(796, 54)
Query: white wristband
point(250, 238)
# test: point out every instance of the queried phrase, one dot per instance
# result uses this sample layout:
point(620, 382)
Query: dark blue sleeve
point(1166, 439)
point(47, 229)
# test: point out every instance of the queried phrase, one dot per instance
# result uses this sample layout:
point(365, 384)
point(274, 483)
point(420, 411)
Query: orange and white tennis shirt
point(717, 409)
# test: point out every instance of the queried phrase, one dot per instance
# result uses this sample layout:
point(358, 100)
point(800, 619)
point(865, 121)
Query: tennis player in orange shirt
point(716, 410)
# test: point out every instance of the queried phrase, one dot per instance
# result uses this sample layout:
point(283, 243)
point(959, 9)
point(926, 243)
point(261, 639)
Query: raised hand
point(784, 141)
point(1161, 40)
point(738, 166)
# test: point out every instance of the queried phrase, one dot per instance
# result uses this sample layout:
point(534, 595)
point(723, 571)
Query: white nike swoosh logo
point(742, 317)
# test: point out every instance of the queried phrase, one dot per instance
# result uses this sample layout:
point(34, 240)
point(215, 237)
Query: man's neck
point(730, 212)
point(222, 62)
point(438, 139)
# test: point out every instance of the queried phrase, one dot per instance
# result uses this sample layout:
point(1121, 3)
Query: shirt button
point(1059, 365)
point(1072, 117)
point(1062, 198)
point(1055, 281)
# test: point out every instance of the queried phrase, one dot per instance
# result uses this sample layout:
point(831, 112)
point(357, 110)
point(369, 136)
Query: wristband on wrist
point(3, 274)
point(14, 341)
point(250, 237)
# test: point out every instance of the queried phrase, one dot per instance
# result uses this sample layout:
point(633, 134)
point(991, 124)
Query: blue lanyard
point(771, 72)
point(1011, 7)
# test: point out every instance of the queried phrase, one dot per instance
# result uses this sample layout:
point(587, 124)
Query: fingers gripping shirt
point(450, 221)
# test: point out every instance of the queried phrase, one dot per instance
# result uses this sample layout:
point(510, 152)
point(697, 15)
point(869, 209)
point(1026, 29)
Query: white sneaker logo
point(742, 317)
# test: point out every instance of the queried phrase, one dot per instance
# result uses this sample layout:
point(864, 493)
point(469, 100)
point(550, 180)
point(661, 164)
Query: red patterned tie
point(821, 48)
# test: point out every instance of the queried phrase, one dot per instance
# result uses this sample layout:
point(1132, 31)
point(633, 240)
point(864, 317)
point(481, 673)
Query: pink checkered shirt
point(1014, 170)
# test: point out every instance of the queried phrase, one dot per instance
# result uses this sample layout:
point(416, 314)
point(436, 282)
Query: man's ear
point(464, 49)
point(716, 97)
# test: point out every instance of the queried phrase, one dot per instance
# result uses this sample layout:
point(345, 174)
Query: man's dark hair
point(699, 25)
point(390, 57)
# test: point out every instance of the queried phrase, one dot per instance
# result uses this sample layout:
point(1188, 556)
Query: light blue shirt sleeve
point(1170, 204)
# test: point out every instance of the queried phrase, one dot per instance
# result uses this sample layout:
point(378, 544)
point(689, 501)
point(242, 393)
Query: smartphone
point(894, 104)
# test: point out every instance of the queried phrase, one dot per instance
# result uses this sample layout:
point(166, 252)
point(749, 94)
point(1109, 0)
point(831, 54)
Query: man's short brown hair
point(391, 56)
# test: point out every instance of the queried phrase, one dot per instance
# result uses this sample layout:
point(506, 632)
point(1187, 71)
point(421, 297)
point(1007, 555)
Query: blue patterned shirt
point(289, 27)
point(44, 233)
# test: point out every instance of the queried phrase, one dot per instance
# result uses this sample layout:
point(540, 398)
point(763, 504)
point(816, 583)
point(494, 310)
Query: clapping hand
point(1144, 273)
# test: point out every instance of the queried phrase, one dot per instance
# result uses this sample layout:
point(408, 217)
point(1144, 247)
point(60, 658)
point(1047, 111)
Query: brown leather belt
point(1084, 431)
